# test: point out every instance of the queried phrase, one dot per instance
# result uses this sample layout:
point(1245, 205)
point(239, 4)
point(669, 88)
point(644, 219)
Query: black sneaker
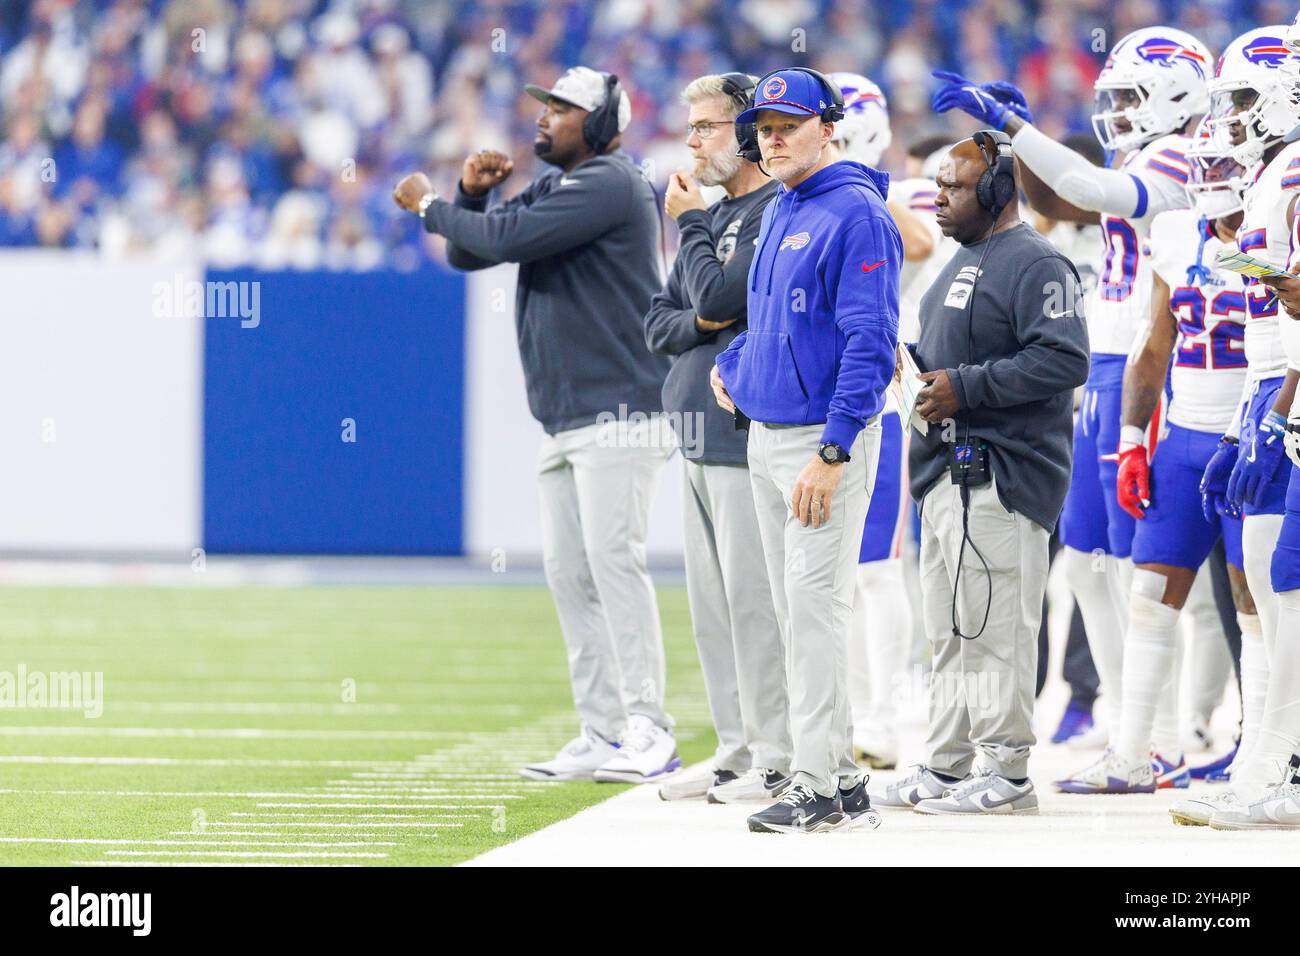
point(857, 806)
point(801, 810)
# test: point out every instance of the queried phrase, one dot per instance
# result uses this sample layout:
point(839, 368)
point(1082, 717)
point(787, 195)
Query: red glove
point(1134, 485)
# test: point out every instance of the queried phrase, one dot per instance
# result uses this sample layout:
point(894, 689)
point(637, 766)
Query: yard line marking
point(313, 854)
point(236, 794)
point(369, 806)
point(264, 833)
point(327, 823)
point(107, 842)
point(188, 761)
point(222, 733)
point(196, 863)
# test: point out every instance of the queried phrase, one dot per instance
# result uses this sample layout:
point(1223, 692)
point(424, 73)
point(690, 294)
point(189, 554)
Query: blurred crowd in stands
point(271, 132)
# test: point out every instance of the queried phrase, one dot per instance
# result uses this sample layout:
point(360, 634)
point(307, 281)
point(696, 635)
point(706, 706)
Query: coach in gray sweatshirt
point(585, 237)
point(1003, 345)
point(697, 315)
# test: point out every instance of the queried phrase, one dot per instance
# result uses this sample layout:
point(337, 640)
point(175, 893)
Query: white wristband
point(1130, 436)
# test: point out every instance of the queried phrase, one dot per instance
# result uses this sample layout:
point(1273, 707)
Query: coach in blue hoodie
point(810, 373)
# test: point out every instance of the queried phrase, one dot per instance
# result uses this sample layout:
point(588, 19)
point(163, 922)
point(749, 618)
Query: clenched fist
point(411, 190)
point(483, 170)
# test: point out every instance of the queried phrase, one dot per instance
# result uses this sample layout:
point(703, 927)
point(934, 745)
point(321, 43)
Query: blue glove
point(991, 103)
point(1008, 94)
point(1214, 483)
point(1259, 462)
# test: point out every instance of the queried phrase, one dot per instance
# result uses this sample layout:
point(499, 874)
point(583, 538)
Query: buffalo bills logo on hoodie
point(797, 241)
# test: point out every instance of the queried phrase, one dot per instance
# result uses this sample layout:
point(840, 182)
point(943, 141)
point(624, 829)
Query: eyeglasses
point(704, 129)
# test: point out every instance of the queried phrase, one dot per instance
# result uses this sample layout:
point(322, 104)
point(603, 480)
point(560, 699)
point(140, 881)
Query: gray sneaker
point(986, 792)
point(920, 784)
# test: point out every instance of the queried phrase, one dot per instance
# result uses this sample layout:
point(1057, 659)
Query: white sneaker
point(985, 792)
point(646, 752)
point(1111, 774)
point(921, 784)
point(1195, 811)
point(755, 785)
point(1278, 809)
point(694, 784)
point(577, 760)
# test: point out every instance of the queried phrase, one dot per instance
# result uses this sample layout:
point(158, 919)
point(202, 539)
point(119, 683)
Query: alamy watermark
point(191, 299)
point(633, 429)
point(53, 690)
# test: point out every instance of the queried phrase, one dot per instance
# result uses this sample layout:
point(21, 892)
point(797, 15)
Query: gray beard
point(718, 170)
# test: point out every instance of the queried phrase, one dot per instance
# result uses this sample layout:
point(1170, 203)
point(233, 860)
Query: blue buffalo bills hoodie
point(822, 306)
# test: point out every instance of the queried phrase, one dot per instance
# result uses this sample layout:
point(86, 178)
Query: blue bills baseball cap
point(788, 91)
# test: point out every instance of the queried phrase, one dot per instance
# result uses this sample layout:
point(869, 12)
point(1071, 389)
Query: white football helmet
point(1289, 73)
point(1217, 186)
point(1152, 84)
point(1250, 92)
point(863, 135)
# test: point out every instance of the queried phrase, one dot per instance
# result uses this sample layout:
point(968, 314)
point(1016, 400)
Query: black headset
point(601, 125)
point(833, 113)
point(740, 87)
point(997, 184)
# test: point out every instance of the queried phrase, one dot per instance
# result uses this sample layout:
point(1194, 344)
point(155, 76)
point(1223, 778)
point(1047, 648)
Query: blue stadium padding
point(385, 349)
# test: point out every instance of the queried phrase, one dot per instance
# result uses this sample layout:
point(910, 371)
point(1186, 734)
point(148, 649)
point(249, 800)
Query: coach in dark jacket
point(585, 235)
point(1003, 345)
point(697, 315)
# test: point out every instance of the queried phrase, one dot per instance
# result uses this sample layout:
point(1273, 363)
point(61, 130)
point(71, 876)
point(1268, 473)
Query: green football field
point(321, 725)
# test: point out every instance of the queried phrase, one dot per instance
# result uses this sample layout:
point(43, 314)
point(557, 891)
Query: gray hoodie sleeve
point(716, 289)
point(579, 207)
point(670, 324)
point(1053, 336)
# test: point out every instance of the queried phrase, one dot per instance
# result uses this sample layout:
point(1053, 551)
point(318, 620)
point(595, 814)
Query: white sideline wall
point(100, 406)
point(502, 438)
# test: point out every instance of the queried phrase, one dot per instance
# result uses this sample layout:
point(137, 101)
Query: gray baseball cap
point(584, 88)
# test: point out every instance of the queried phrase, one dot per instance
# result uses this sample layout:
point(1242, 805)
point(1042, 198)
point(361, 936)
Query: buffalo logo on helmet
point(1266, 51)
point(774, 88)
point(1164, 52)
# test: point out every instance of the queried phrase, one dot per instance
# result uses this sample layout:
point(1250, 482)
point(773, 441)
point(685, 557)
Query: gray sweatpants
point(740, 647)
point(596, 486)
point(982, 690)
point(812, 573)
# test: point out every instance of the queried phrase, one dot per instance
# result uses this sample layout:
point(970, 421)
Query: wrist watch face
point(831, 454)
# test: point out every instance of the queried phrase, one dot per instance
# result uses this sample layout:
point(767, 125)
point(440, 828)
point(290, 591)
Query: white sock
point(1258, 541)
point(1148, 663)
point(1094, 579)
point(1279, 726)
point(1254, 685)
point(1207, 653)
point(882, 635)
point(1165, 739)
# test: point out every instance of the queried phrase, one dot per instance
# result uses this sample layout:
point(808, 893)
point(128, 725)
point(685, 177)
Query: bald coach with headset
point(585, 236)
point(1003, 345)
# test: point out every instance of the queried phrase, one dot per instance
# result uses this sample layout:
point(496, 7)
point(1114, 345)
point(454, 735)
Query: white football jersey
point(1265, 234)
point(916, 275)
point(1118, 307)
point(1209, 366)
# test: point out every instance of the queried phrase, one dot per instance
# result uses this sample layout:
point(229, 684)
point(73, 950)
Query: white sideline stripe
point(243, 853)
point(222, 733)
point(327, 823)
point(187, 842)
point(196, 863)
point(189, 761)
